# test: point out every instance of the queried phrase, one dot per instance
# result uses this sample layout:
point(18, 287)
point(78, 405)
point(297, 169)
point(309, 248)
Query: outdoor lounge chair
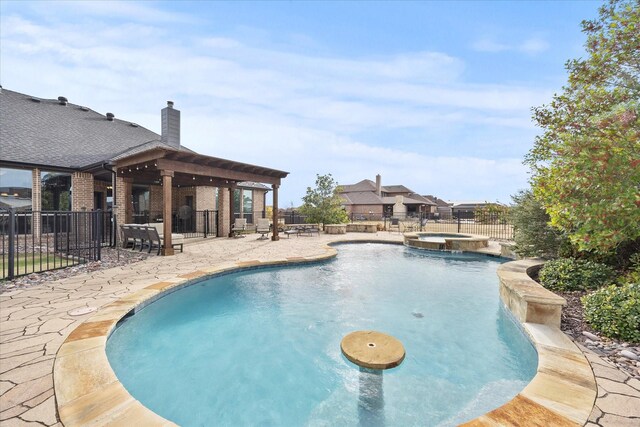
point(127, 236)
point(239, 227)
point(154, 240)
point(263, 227)
point(309, 230)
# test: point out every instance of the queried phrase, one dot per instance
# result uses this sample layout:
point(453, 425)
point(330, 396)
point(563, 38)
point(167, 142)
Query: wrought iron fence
point(494, 225)
point(35, 241)
point(189, 223)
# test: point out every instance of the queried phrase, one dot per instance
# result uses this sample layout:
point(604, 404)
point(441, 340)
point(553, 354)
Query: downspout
point(114, 207)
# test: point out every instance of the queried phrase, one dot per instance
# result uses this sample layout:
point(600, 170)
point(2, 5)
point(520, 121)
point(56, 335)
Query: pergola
point(173, 168)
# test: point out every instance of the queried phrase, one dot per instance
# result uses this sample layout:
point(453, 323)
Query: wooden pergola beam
point(210, 171)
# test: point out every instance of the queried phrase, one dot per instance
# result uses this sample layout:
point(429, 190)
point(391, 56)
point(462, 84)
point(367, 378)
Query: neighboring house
point(368, 199)
point(466, 209)
point(443, 208)
point(56, 155)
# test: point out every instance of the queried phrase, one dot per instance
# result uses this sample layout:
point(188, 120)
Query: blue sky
point(432, 95)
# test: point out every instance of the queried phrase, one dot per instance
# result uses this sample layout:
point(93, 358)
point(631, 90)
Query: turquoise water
point(262, 347)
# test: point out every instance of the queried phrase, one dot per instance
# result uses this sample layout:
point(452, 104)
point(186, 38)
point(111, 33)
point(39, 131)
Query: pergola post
point(232, 217)
point(274, 235)
point(167, 177)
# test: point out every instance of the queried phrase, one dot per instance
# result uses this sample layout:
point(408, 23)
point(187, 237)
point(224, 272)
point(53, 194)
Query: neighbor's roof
point(362, 198)
point(45, 132)
point(396, 189)
point(364, 185)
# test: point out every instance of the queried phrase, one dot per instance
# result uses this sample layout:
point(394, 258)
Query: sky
point(436, 96)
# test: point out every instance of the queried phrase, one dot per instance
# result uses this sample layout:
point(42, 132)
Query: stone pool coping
point(88, 392)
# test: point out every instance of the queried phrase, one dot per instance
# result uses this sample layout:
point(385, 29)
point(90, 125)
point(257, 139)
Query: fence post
point(458, 221)
point(12, 250)
point(98, 240)
point(206, 222)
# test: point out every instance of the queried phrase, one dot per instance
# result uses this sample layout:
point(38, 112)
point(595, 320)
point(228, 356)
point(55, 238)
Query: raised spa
point(262, 347)
point(446, 241)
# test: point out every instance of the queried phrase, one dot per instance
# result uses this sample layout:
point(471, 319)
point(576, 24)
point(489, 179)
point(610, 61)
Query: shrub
point(532, 233)
point(569, 274)
point(633, 275)
point(615, 311)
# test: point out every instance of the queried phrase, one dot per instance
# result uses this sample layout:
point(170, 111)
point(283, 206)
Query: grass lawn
point(35, 262)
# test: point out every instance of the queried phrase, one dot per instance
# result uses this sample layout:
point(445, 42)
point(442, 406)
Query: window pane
point(56, 191)
point(247, 201)
point(15, 189)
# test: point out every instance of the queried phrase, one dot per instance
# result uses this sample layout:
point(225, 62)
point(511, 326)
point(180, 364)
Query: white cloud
point(277, 108)
point(531, 46)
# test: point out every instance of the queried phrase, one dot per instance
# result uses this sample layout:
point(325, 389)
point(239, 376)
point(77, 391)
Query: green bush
point(615, 311)
point(633, 275)
point(533, 235)
point(569, 274)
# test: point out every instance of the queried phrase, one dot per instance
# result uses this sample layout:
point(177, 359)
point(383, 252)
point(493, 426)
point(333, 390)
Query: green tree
point(323, 203)
point(532, 233)
point(586, 164)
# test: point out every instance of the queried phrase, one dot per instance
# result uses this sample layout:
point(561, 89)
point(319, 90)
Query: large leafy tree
point(586, 163)
point(323, 203)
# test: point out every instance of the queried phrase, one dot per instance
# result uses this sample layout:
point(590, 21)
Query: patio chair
point(154, 239)
point(127, 236)
point(139, 236)
point(263, 226)
point(239, 227)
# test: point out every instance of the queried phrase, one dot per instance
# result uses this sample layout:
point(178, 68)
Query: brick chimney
point(170, 125)
point(378, 185)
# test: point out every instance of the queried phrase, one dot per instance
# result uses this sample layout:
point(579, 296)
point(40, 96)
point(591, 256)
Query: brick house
point(372, 200)
point(55, 155)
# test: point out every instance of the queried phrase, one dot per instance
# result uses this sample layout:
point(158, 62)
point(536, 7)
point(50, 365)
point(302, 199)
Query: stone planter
point(362, 228)
point(335, 228)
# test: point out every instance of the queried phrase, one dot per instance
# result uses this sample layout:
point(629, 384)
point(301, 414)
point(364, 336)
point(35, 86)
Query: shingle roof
point(44, 132)
point(395, 189)
point(362, 198)
point(364, 185)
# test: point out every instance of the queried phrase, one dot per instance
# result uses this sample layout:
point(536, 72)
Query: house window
point(56, 191)
point(15, 189)
point(15, 192)
point(247, 205)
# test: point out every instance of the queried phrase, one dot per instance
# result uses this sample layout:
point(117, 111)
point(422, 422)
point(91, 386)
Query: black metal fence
point(33, 242)
point(494, 225)
point(188, 223)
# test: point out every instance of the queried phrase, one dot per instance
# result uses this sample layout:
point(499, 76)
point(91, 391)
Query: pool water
point(262, 347)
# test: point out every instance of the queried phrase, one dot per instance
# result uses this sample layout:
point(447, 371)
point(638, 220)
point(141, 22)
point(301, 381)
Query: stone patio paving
point(35, 321)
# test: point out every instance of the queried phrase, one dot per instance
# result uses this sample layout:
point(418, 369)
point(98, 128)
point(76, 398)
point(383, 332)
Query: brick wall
point(179, 196)
point(155, 199)
point(258, 203)
point(82, 191)
point(205, 198)
point(224, 219)
point(124, 209)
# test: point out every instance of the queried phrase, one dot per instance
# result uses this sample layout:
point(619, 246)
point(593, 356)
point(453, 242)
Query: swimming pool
point(262, 347)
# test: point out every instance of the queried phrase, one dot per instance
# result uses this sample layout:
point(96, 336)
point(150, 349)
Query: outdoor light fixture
point(137, 168)
point(129, 169)
point(145, 166)
point(194, 178)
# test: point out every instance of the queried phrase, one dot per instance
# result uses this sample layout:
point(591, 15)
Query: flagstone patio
point(35, 321)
